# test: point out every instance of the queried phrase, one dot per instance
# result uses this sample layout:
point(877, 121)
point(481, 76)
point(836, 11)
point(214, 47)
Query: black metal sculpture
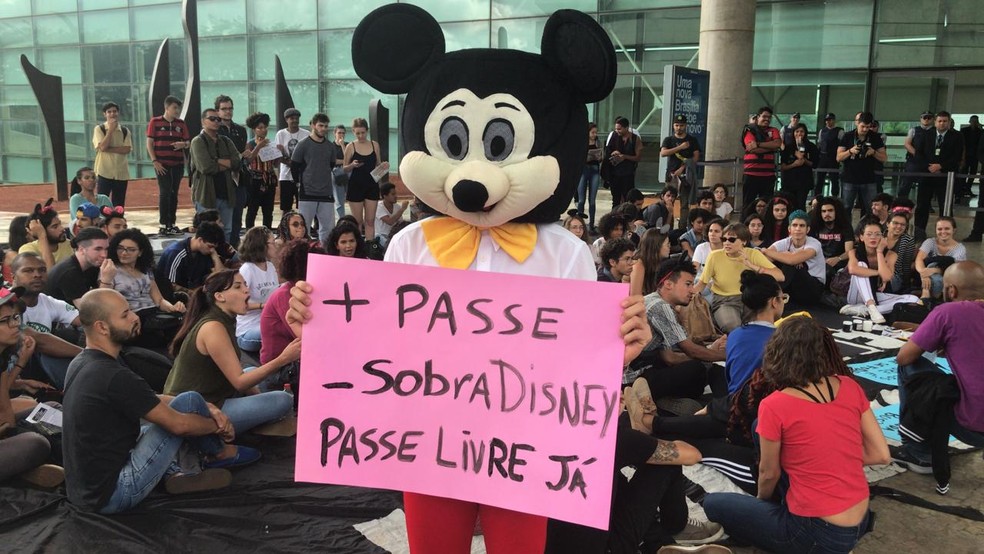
point(48, 90)
point(191, 112)
point(284, 99)
point(160, 82)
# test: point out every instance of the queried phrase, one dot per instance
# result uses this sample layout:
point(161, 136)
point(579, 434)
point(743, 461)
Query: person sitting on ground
point(87, 215)
point(619, 256)
point(16, 237)
point(904, 247)
point(87, 269)
point(880, 207)
point(956, 327)
point(936, 254)
point(755, 226)
point(695, 234)
point(49, 235)
point(759, 207)
point(818, 430)
point(722, 208)
point(346, 241)
point(292, 227)
point(654, 247)
point(131, 253)
point(712, 230)
point(659, 214)
point(575, 224)
point(185, 264)
point(256, 251)
point(775, 221)
point(41, 314)
point(112, 462)
point(611, 227)
point(225, 254)
point(800, 257)
point(206, 358)
point(705, 201)
point(872, 266)
point(83, 188)
point(672, 364)
point(22, 454)
point(630, 215)
point(722, 272)
point(276, 334)
point(389, 212)
point(831, 225)
point(113, 221)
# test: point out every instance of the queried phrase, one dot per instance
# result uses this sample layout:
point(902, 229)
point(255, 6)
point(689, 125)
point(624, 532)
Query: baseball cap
point(829, 116)
point(87, 209)
point(10, 295)
point(680, 118)
point(927, 114)
point(291, 112)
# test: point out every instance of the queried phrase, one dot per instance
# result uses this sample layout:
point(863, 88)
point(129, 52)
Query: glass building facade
point(895, 57)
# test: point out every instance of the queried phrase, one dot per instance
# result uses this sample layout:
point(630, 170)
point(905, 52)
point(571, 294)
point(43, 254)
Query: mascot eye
point(454, 138)
point(498, 140)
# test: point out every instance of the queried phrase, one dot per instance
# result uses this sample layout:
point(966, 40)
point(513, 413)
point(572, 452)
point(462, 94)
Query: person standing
point(761, 142)
point(340, 184)
point(860, 151)
point(311, 164)
point(167, 140)
point(286, 141)
point(240, 177)
point(799, 157)
point(682, 150)
point(915, 162)
point(972, 140)
point(623, 150)
point(262, 174)
point(786, 132)
point(113, 144)
point(215, 161)
point(361, 158)
point(828, 139)
point(943, 150)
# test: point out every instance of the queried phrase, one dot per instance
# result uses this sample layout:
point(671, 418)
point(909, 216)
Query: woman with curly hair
point(346, 241)
point(263, 174)
point(775, 220)
point(818, 429)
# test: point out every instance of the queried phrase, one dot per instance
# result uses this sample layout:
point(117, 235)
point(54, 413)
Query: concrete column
point(727, 38)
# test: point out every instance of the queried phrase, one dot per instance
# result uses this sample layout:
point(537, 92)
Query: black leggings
point(685, 380)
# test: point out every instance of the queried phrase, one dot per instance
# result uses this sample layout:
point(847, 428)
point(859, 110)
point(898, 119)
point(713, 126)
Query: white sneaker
point(856, 310)
point(875, 315)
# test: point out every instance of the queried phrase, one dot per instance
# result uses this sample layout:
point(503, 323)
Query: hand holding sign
point(502, 397)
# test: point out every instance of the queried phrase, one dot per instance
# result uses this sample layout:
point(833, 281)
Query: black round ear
point(393, 45)
point(576, 47)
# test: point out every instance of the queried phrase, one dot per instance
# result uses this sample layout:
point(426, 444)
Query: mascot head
point(492, 135)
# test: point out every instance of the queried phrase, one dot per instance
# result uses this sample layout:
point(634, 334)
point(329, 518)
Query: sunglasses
point(214, 118)
point(730, 239)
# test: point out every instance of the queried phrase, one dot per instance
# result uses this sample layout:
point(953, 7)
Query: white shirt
point(48, 311)
point(701, 253)
point(383, 228)
point(289, 140)
point(261, 285)
point(558, 253)
point(815, 265)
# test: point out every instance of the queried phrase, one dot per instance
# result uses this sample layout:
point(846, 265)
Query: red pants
point(444, 526)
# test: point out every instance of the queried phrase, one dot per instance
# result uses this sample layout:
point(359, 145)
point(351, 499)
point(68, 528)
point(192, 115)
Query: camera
point(862, 148)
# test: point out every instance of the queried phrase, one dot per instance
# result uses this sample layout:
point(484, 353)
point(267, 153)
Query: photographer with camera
point(860, 152)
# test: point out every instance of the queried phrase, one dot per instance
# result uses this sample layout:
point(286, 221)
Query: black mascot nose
point(470, 196)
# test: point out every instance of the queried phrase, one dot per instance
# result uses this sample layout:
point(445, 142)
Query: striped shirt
point(760, 165)
point(164, 134)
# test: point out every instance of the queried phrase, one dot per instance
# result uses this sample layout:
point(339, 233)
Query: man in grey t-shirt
point(311, 165)
point(800, 257)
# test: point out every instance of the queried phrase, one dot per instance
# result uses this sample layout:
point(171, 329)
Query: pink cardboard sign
point(485, 387)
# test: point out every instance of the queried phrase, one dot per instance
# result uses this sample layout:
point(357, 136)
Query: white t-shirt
point(701, 253)
point(382, 228)
point(49, 311)
point(724, 210)
point(815, 265)
point(261, 285)
point(289, 140)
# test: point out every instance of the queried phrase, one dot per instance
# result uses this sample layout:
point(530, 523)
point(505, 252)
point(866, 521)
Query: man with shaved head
point(111, 462)
point(956, 327)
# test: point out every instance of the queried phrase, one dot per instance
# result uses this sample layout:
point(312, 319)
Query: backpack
point(755, 130)
point(102, 127)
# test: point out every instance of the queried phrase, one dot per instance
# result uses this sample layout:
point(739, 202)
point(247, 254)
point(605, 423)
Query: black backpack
point(102, 127)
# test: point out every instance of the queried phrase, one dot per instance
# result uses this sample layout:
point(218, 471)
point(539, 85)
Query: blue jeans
point(154, 456)
point(588, 187)
point(55, 368)
point(242, 198)
point(339, 191)
point(225, 212)
point(770, 526)
point(250, 340)
point(246, 412)
point(921, 450)
point(850, 192)
point(936, 285)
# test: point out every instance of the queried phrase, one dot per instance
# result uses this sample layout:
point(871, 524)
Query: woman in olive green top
point(207, 356)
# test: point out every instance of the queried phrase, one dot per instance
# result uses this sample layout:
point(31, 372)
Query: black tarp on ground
point(263, 511)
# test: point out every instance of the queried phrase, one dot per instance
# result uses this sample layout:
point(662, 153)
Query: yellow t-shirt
point(109, 164)
point(63, 251)
point(725, 272)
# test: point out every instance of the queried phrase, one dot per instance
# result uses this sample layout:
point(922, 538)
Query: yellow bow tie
point(454, 243)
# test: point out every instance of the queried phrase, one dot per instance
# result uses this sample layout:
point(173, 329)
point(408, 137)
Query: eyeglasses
point(730, 239)
point(11, 320)
point(214, 118)
point(297, 224)
point(127, 250)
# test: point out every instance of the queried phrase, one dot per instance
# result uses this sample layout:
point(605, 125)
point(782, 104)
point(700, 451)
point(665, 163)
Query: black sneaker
point(902, 457)
point(163, 231)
